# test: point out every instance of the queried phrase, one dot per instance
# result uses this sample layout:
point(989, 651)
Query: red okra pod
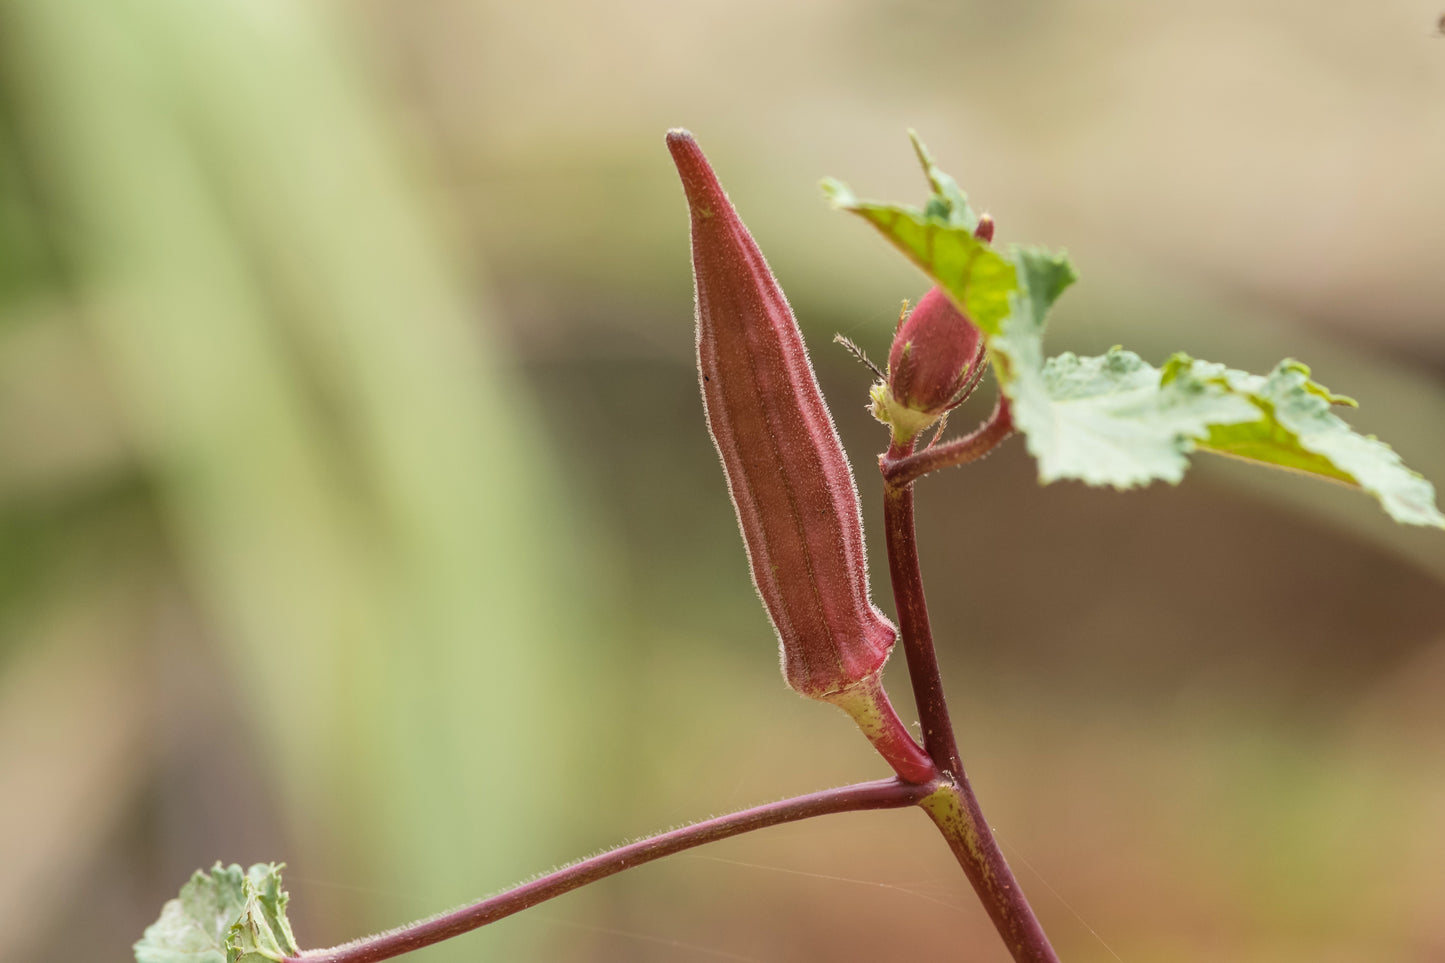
point(790, 481)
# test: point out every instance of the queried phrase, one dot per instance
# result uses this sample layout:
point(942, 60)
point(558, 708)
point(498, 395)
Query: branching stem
point(883, 794)
point(902, 465)
point(949, 800)
point(955, 811)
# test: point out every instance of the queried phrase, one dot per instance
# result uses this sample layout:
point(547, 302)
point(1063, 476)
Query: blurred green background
point(356, 508)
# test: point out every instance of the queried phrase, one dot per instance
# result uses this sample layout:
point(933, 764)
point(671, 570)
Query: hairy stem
point(883, 794)
point(870, 707)
point(954, 810)
point(952, 806)
point(902, 465)
point(913, 625)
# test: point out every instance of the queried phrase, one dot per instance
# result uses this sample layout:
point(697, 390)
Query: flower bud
point(984, 230)
point(788, 476)
point(929, 366)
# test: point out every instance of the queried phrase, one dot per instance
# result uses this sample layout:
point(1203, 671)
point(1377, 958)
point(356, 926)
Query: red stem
point(869, 706)
point(902, 465)
point(913, 625)
point(953, 806)
point(955, 811)
point(882, 794)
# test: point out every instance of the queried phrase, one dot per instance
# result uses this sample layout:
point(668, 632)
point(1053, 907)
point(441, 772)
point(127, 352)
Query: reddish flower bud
point(789, 478)
point(932, 357)
point(984, 231)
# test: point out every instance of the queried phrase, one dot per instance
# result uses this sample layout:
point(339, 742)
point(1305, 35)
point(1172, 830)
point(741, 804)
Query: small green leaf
point(942, 244)
point(948, 202)
point(1115, 419)
point(194, 927)
point(262, 932)
point(225, 916)
point(1018, 347)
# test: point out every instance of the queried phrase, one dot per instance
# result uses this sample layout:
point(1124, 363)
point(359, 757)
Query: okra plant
point(1112, 420)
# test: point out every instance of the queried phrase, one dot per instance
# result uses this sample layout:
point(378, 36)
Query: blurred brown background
point(356, 508)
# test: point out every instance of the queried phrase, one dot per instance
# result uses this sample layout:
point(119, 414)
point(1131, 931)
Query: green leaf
point(1115, 419)
point(1297, 430)
point(194, 927)
point(225, 916)
point(262, 932)
point(940, 241)
point(1106, 420)
point(1018, 347)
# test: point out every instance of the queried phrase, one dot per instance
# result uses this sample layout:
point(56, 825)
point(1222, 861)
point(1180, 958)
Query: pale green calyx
point(905, 422)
